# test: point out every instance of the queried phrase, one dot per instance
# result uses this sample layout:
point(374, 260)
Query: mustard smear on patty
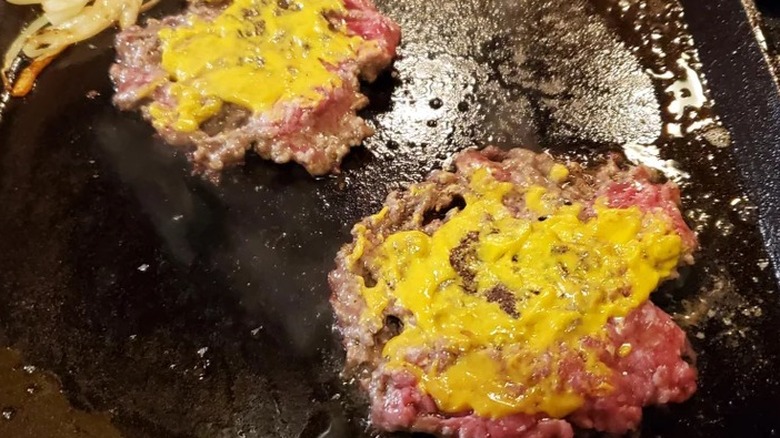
point(500, 304)
point(253, 54)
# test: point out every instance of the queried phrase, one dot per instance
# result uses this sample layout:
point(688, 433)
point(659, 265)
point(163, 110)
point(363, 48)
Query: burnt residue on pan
point(188, 309)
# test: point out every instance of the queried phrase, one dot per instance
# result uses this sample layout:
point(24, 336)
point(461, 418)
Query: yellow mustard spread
point(253, 54)
point(527, 291)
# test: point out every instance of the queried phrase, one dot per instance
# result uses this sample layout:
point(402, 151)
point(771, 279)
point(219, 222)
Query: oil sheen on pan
point(33, 405)
point(189, 309)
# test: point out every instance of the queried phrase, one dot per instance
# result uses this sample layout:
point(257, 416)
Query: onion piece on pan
point(63, 23)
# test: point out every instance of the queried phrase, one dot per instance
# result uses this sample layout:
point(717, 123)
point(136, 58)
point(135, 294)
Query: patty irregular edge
point(659, 370)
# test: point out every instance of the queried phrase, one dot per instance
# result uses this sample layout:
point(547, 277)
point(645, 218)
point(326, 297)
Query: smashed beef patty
point(510, 298)
point(276, 76)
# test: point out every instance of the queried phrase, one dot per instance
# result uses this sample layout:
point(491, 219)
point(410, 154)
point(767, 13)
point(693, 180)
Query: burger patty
point(316, 134)
point(399, 350)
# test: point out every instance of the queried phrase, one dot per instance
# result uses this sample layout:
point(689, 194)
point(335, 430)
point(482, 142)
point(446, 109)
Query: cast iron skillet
point(188, 309)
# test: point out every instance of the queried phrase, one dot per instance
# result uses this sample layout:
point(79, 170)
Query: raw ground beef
point(317, 137)
point(658, 369)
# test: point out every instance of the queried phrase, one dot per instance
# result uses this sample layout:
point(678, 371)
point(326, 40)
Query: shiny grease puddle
point(27, 392)
point(187, 309)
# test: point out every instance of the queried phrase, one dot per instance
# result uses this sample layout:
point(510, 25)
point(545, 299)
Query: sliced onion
point(58, 5)
point(149, 5)
point(19, 42)
point(66, 22)
point(129, 13)
point(24, 2)
point(60, 15)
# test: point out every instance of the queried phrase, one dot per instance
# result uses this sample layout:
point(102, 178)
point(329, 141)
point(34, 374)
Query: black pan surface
point(187, 309)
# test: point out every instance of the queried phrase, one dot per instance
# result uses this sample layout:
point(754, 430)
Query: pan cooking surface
point(188, 309)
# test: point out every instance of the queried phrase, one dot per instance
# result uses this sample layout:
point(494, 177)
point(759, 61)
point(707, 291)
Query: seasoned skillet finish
point(193, 310)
